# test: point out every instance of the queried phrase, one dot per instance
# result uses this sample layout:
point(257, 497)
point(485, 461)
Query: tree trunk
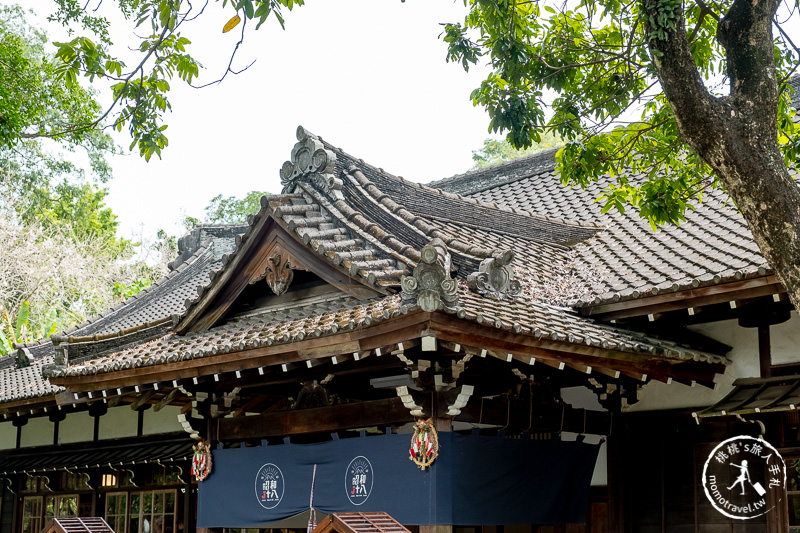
point(736, 135)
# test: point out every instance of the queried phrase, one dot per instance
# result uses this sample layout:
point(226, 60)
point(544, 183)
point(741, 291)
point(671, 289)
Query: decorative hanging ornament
point(201, 461)
point(424, 444)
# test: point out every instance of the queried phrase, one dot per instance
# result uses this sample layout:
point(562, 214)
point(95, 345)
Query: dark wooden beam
point(449, 328)
point(519, 416)
point(142, 399)
point(764, 351)
point(166, 400)
point(318, 420)
point(697, 297)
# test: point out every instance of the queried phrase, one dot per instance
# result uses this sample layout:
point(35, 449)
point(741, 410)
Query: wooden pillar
point(616, 476)
point(442, 424)
point(764, 351)
point(436, 529)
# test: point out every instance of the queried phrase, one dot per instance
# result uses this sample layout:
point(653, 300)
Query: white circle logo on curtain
point(358, 480)
point(738, 474)
point(269, 486)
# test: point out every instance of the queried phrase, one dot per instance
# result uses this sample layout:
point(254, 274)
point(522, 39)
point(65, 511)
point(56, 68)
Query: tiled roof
point(163, 299)
point(26, 382)
point(375, 236)
point(372, 226)
point(426, 201)
point(534, 319)
point(713, 245)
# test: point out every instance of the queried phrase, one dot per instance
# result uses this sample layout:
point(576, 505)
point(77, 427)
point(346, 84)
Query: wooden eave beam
point(533, 417)
point(250, 262)
point(393, 331)
point(317, 420)
point(449, 328)
point(678, 300)
point(29, 404)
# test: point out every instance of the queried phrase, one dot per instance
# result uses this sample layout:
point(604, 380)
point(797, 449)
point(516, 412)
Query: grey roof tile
point(519, 315)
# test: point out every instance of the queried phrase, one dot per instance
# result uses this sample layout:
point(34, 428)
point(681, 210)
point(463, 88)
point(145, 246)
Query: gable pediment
point(288, 236)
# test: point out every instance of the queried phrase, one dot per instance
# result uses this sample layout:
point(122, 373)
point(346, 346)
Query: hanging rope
point(530, 408)
point(312, 515)
point(508, 415)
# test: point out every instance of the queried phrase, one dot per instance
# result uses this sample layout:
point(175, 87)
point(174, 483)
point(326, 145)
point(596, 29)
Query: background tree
point(36, 106)
point(50, 280)
point(496, 151)
point(232, 210)
point(62, 261)
point(689, 95)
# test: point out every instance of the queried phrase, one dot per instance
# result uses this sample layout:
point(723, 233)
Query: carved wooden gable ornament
point(279, 273)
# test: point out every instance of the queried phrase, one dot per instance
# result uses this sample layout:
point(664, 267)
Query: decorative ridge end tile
point(430, 286)
point(495, 277)
point(311, 161)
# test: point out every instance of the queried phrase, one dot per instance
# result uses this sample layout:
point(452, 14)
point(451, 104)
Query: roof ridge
point(415, 221)
point(541, 155)
point(465, 199)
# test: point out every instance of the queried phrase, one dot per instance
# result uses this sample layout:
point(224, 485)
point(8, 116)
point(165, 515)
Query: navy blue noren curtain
point(476, 480)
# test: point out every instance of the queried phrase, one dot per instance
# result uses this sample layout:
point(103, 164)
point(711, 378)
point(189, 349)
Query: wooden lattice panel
point(89, 524)
point(360, 523)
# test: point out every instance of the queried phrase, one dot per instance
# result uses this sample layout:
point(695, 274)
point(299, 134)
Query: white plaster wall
point(76, 427)
point(118, 422)
point(8, 436)
point(785, 341)
point(583, 398)
point(163, 421)
point(37, 432)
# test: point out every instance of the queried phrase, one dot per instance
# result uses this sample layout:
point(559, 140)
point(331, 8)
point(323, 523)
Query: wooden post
point(764, 351)
point(442, 424)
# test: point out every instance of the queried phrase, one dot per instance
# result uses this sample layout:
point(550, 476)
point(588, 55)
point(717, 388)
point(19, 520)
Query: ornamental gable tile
point(430, 286)
point(311, 161)
point(495, 277)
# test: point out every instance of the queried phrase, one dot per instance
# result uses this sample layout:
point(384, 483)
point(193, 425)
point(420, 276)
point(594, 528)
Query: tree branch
point(694, 108)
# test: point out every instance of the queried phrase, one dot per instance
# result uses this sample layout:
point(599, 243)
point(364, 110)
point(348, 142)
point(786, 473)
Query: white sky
point(369, 76)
